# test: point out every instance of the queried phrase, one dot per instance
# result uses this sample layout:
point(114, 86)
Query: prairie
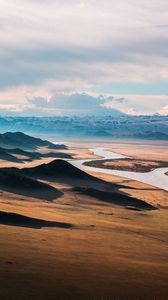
point(77, 246)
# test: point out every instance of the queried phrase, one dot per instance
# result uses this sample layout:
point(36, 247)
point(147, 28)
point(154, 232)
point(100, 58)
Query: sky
point(74, 56)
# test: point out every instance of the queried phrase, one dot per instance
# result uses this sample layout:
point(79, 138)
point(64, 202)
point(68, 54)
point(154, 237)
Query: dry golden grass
point(150, 194)
point(111, 253)
point(130, 163)
point(143, 150)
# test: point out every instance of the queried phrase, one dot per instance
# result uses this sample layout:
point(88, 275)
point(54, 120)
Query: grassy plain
point(109, 253)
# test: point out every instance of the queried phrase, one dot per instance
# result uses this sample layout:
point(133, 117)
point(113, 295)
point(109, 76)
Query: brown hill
point(62, 171)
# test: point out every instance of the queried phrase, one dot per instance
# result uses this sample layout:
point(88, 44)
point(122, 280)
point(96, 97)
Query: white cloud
point(74, 104)
point(52, 46)
point(138, 104)
point(164, 111)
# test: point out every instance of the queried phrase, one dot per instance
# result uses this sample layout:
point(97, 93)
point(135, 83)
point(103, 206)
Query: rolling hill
point(23, 141)
point(83, 183)
point(20, 155)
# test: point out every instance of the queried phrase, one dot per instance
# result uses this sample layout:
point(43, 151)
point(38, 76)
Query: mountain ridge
point(23, 141)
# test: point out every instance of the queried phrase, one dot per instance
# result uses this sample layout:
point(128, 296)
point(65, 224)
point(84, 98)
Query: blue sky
point(153, 88)
point(55, 50)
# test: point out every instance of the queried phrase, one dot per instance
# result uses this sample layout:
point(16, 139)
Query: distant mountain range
point(134, 127)
point(152, 136)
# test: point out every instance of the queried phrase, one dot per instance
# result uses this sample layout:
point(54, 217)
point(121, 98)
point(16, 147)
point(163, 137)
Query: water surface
point(155, 178)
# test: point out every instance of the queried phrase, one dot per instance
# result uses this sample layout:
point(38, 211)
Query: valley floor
point(108, 252)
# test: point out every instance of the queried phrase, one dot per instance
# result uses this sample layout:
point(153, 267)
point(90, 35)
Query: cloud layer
point(54, 47)
point(75, 104)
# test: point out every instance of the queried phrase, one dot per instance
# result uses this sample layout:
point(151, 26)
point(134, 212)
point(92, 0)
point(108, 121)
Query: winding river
point(155, 178)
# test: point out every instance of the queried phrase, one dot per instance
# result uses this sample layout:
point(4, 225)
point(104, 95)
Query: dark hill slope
point(22, 185)
point(6, 155)
point(62, 171)
point(13, 219)
point(11, 155)
point(57, 168)
point(116, 198)
point(20, 140)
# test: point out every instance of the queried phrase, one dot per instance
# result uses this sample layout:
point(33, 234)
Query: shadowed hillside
point(6, 155)
point(20, 140)
point(116, 198)
point(13, 219)
point(63, 171)
point(19, 155)
point(22, 185)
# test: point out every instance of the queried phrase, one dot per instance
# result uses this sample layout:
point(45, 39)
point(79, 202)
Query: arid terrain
point(128, 164)
point(73, 236)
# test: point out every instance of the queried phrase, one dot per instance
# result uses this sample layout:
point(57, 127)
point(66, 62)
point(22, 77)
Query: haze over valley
point(129, 127)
